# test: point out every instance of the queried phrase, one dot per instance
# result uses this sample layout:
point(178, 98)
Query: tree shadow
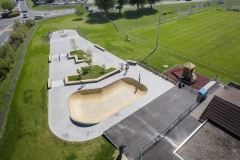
point(77, 19)
point(114, 16)
point(96, 18)
point(135, 14)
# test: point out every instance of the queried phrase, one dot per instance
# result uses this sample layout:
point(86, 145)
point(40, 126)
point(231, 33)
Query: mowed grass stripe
point(200, 46)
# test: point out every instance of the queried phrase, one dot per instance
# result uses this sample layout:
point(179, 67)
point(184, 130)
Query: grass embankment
point(91, 73)
point(27, 135)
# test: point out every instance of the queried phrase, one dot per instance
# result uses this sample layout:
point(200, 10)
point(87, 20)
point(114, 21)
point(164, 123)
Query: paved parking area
point(145, 124)
point(58, 112)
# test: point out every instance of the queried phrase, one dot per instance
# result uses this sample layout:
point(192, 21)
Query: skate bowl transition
point(89, 107)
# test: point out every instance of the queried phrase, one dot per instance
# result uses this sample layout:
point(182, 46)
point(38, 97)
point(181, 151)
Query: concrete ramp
point(93, 105)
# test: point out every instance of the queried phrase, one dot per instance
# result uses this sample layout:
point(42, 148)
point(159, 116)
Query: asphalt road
point(7, 24)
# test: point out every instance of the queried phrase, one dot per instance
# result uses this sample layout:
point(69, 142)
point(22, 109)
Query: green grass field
point(27, 135)
point(209, 39)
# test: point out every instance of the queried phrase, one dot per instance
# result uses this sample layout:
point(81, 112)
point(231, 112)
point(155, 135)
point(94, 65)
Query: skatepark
point(60, 94)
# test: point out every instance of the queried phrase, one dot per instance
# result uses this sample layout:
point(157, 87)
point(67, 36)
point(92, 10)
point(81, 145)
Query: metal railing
point(152, 143)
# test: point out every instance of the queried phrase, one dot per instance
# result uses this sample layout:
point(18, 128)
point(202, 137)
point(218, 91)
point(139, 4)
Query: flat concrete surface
point(58, 112)
point(145, 124)
point(164, 149)
point(210, 142)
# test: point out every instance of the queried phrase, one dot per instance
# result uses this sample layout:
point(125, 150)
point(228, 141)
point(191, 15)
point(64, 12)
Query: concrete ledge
point(63, 35)
point(132, 62)
point(75, 58)
point(49, 58)
point(99, 47)
point(49, 85)
point(89, 80)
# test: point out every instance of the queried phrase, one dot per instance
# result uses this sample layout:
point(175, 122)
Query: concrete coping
point(132, 62)
point(49, 83)
point(50, 58)
point(89, 80)
point(99, 47)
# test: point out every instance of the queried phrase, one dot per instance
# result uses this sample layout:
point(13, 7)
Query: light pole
point(159, 21)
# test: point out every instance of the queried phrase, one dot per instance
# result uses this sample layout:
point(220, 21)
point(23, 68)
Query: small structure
point(188, 74)
point(202, 93)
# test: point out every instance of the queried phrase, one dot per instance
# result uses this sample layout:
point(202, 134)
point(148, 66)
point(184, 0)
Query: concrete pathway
point(58, 112)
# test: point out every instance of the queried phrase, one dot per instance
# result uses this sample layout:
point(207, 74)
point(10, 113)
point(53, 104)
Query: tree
point(137, 2)
point(105, 5)
point(79, 10)
point(121, 4)
point(7, 5)
point(151, 2)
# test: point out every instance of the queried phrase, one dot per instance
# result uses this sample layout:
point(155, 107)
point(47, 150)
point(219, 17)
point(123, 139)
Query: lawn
point(80, 54)
point(92, 72)
point(27, 134)
point(208, 39)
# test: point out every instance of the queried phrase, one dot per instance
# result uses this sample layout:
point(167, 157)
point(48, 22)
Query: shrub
point(29, 23)
point(7, 5)
point(5, 15)
point(85, 70)
point(14, 14)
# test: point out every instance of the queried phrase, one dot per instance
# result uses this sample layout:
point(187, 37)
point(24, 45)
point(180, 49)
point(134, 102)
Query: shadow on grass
point(77, 19)
point(115, 16)
point(97, 18)
point(135, 14)
point(148, 55)
point(132, 14)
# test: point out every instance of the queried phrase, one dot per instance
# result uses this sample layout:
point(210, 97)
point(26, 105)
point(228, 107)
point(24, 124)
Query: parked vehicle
point(25, 11)
point(38, 17)
point(25, 15)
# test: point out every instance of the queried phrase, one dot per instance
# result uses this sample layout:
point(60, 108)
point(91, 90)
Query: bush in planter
point(14, 14)
point(85, 70)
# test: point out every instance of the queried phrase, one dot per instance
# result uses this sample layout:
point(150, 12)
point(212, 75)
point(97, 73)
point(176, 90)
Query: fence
point(218, 69)
point(158, 72)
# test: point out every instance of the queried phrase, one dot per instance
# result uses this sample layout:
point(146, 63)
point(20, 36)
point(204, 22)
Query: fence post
point(199, 6)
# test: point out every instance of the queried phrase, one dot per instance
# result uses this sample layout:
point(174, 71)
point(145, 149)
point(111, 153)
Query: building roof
point(231, 95)
point(210, 142)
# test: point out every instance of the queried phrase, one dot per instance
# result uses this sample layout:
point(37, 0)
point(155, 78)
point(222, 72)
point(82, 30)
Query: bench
point(131, 62)
point(63, 35)
point(49, 85)
point(49, 58)
point(99, 47)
